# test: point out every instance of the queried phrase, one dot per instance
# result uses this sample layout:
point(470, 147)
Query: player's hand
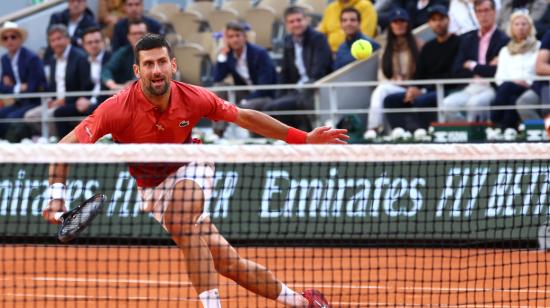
point(54, 206)
point(24, 87)
point(326, 134)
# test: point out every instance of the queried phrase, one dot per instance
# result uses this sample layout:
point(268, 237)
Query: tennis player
point(156, 109)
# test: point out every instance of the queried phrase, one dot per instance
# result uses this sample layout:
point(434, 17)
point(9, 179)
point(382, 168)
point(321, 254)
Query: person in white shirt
point(516, 68)
point(462, 17)
point(94, 45)
point(68, 70)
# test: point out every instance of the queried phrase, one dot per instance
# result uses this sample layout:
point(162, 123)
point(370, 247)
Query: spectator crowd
point(476, 39)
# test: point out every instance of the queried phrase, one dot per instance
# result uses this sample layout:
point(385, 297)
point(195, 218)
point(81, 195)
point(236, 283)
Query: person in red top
point(156, 109)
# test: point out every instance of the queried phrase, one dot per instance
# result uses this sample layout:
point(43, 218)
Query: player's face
point(235, 39)
point(155, 71)
point(12, 40)
point(350, 23)
point(93, 43)
point(520, 28)
point(296, 24)
point(439, 24)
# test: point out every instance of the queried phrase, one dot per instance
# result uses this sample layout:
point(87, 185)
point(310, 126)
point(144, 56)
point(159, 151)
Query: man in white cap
point(22, 72)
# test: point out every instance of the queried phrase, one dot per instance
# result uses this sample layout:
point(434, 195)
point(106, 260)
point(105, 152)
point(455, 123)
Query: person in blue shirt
point(350, 20)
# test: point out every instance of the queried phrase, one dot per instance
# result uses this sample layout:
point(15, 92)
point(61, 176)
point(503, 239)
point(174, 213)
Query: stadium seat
point(204, 8)
point(158, 16)
point(219, 18)
point(167, 9)
point(261, 20)
point(206, 41)
point(240, 6)
point(278, 7)
point(190, 59)
point(317, 6)
point(185, 23)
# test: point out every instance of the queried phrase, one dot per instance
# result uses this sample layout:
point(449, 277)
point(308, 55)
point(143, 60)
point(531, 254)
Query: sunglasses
point(8, 37)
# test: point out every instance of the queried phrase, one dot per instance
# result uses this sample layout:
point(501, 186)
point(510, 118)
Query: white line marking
point(111, 280)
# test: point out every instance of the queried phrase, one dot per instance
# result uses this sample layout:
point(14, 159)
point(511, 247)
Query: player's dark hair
point(351, 9)
point(389, 50)
point(92, 29)
point(291, 10)
point(152, 41)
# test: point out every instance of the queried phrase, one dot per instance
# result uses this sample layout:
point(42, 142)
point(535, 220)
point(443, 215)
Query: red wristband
point(295, 136)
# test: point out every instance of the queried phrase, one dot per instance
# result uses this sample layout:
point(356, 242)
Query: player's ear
point(174, 65)
point(136, 71)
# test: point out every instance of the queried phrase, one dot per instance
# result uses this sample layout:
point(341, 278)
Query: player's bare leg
point(246, 273)
point(180, 220)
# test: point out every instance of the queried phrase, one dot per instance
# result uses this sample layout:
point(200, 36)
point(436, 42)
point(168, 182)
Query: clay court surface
point(137, 276)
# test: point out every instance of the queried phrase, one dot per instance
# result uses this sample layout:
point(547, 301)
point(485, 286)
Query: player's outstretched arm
point(57, 175)
point(262, 124)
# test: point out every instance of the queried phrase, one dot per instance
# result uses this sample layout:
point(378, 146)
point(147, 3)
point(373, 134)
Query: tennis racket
point(78, 219)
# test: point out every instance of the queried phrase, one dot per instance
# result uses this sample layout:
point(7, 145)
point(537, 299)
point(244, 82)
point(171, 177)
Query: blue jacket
point(31, 72)
point(260, 67)
point(468, 50)
point(343, 54)
point(316, 54)
point(88, 20)
point(77, 74)
point(121, 31)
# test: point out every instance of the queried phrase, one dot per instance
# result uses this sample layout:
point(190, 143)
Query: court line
point(113, 280)
point(300, 285)
point(147, 298)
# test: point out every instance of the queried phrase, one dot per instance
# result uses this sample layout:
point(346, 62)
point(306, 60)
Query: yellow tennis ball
point(361, 49)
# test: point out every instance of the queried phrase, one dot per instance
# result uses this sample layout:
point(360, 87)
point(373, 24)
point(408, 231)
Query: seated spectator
point(69, 71)
point(119, 72)
point(534, 8)
point(516, 68)
point(539, 93)
point(77, 18)
point(22, 72)
point(398, 62)
point(134, 11)
point(331, 27)
point(248, 64)
point(435, 62)
point(462, 16)
point(94, 45)
point(109, 13)
point(476, 58)
point(418, 10)
point(306, 58)
point(350, 19)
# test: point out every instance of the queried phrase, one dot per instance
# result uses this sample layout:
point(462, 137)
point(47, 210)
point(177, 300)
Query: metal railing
point(333, 111)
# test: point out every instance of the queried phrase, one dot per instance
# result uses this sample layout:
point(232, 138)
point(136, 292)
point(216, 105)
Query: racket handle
point(57, 216)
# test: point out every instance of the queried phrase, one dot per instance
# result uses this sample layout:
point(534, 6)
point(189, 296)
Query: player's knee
point(180, 223)
point(189, 193)
point(228, 267)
